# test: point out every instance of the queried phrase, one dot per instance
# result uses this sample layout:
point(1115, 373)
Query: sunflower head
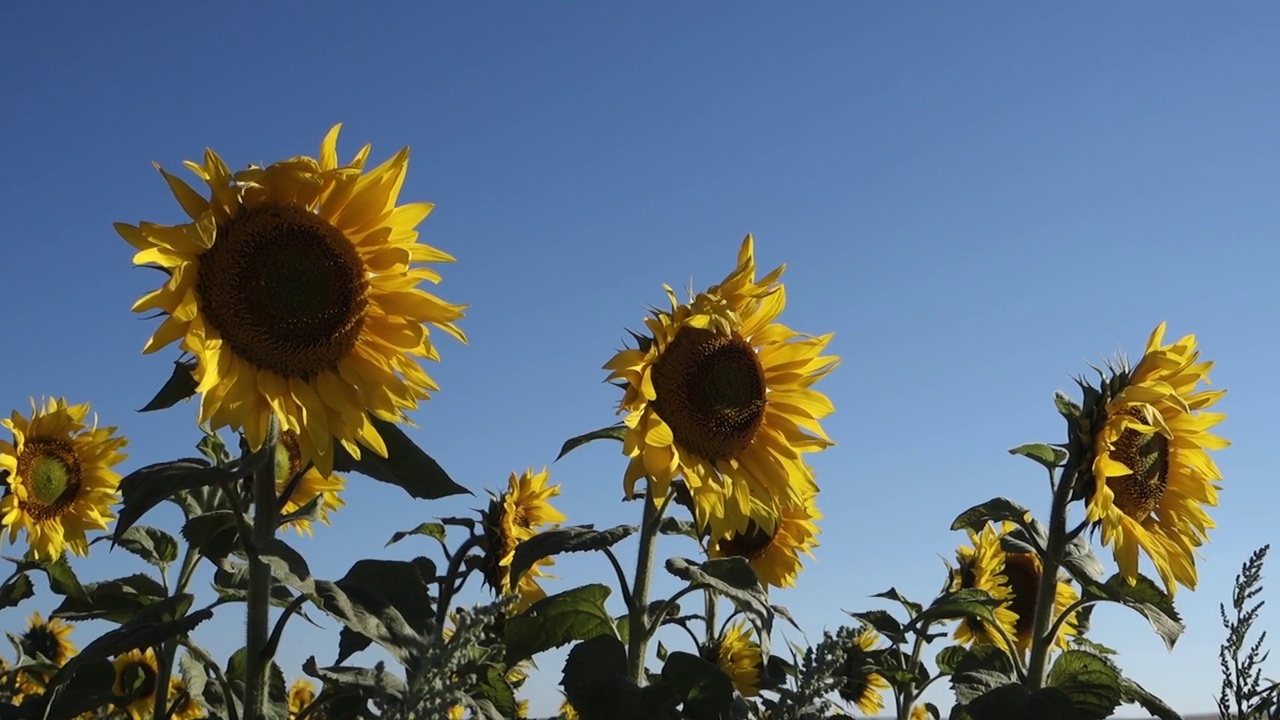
point(295, 286)
point(860, 683)
point(301, 694)
point(47, 639)
point(137, 675)
point(312, 485)
point(775, 555)
point(513, 516)
point(737, 653)
point(185, 705)
point(720, 395)
point(1148, 476)
point(60, 477)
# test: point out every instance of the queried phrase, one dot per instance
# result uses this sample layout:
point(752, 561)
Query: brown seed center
point(42, 641)
point(50, 471)
point(711, 391)
point(286, 290)
point(1024, 587)
point(1138, 493)
point(750, 544)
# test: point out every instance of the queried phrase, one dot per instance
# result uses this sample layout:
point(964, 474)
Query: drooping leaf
point(595, 680)
point(912, 608)
point(232, 583)
point(981, 669)
point(215, 534)
point(968, 602)
point(406, 465)
point(613, 432)
point(1047, 455)
point(180, 386)
point(430, 529)
point(948, 657)
point(1091, 681)
point(62, 579)
point(1144, 596)
point(375, 682)
point(154, 545)
point(882, 622)
point(704, 690)
point(1081, 561)
point(385, 588)
point(1132, 692)
point(574, 538)
point(993, 510)
point(577, 614)
point(87, 687)
point(678, 526)
point(733, 578)
point(118, 600)
point(15, 590)
point(147, 487)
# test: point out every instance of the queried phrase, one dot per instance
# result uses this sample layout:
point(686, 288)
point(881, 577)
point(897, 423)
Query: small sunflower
point(184, 705)
point(775, 556)
point(137, 675)
point(737, 653)
point(1152, 474)
point(47, 639)
point(295, 286)
point(721, 395)
point(1014, 578)
point(312, 484)
point(863, 686)
point(301, 694)
point(919, 712)
point(60, 478)
point(513, 517)
point(567, 711)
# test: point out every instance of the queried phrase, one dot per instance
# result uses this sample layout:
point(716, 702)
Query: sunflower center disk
point(1139, 493)
point(39, 640)
point(51, 472)
point(711, 391)
point(750, 545)
point(1024, 585)
point(286, 290)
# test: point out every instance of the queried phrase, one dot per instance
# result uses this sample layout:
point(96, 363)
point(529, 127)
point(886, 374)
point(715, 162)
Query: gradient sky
point(977, 200)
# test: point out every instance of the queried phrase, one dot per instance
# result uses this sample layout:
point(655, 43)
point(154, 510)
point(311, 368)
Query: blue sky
point(976, 200)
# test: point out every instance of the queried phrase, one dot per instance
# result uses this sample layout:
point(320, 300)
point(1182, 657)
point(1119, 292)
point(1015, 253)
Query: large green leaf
point(117, 600)
point(1017, 702)
point(180, 386)
point(969, 602)
point(384, 586)
point(406, 465)
point(577, 614)
point(704, 689)
point(1091, 681)
point(981, 669)
point(883, 623)
point(595, 680)
point(1143, 596)
point(733, 578)
point(613, 432)
point(993, 510)
point(154, 545)
point(574, 538)
point(147, 487)
point(214, 534)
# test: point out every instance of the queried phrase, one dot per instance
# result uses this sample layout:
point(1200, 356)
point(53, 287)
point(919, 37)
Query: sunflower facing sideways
point(774, 556)
point(511, 518)
point(720, 394)
point(861, 685)
point(59, 476)
point(295, 286)
point(310, 485)
point(737, 653)
point(1152, 474)
point(301, 694)
point(47, 639)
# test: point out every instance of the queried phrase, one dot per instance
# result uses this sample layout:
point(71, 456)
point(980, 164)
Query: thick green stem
point(910, 692)
point(169, 650)
point(257, 663)
point(639, 629)
point(1042, 640)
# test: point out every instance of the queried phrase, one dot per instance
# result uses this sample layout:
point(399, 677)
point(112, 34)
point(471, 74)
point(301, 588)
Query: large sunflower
point(1152, 474)
point(511, 518)
point(775, 556)
point(1014, 578)
point(295, 288)
point(310, 485)
point(737, 653)
point(861, 685)
point(719, 394)
point(60, 478)
point(137, 675)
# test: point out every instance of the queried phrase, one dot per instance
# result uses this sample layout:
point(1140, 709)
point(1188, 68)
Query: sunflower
point(738, 654)
point(137, 673)
point(1014, 578)
point(184, 705)
point(919, 712)
point(775, 556)
point(60, 478)
point(311, 485)
point(301, 694)
point(862, 686)
point(567, 711)
point(513, 517)
point(295, 288)
point(1152, 473)
point(47, 639)
point(720, 395)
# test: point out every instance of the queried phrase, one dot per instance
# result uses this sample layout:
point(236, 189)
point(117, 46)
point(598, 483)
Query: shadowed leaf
point(180, 386)
point(575, 538)
point(613, 432)
point(577, 614)
point(406, 465)
point(993, 510)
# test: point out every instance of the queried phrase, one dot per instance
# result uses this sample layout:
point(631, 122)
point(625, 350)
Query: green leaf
point(969, 602)
point(492, 685)
point(912, 608)
point(118, 600)
point(883, 623)
point(62, 579)
point(180, 386)
point(613, 432)
point(430, 529)
point(1081, 561)
point(15, 590)
point(1017, 702)
point(212, 447)
point(390, 588)
point(1047, 455)
point(147, 487)
point(1091, 681)
point(87, 687)
point(595, 680)
point(1144, 596)
point(236, 668)
point(406, 465)
point(231, 583)
point(733, 578)
point(678, 526)
point(704, 689)
point(376, 682)
point(151, 544)
point(577, 614)
point(981, 669)
point(575, 538)
point(948, 657)
point(994, 510)
point(214, 534)
point(1132, 692)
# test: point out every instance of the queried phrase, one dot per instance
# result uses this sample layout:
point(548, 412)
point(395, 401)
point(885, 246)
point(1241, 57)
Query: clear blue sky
point(977, 200)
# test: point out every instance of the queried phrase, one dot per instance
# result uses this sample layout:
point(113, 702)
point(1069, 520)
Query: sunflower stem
point(1041, 639)
point(638, 638)
point(169, 650)
point(257, 663)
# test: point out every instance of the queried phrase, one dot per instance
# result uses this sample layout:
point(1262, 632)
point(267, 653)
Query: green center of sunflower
point(41, 641)
point(50, 471)
point(750, 544)
point(1147, 455)
point(1024, 587)
point(286, 290)
point(138, 680)
point(710, 391)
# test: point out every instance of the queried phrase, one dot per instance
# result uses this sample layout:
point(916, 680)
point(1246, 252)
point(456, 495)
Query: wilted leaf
point(733, 578)
point(576, 614)
point(376, 682)
point(575, 538)
point(613, 432)
point(406, 465)
point(678, 526)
